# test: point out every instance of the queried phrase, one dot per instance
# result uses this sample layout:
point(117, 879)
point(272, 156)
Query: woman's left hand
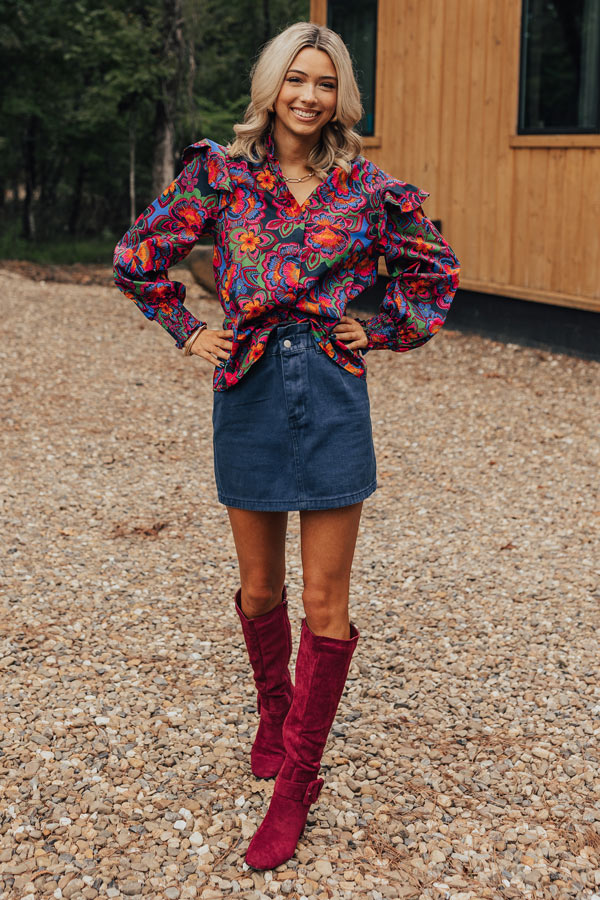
point(350, 331)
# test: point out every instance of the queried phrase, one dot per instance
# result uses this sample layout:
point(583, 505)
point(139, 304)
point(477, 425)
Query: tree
point(101, 97)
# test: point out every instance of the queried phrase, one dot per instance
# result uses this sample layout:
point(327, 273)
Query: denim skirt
point(295, 431)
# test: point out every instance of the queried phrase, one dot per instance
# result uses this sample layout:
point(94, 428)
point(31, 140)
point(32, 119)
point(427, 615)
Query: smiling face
point(308, 95)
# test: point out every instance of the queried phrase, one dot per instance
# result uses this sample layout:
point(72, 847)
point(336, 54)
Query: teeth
point(305, 115)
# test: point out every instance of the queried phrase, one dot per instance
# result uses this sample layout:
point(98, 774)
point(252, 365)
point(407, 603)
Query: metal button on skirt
point(295, 431)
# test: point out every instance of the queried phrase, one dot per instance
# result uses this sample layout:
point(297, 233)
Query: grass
point(98, 251)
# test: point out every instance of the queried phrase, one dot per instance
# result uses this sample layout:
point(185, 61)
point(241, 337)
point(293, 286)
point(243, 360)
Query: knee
point(325, 605)
point(260, 596)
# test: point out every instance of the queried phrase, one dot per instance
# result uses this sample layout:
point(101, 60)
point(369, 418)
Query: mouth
point(304, 114)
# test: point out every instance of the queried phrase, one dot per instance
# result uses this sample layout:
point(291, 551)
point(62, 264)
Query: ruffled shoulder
point(386, 189)
point(403, 195)
point(214, 161)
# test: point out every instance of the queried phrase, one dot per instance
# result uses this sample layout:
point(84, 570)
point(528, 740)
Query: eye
point(328, 84)
point(293, 78)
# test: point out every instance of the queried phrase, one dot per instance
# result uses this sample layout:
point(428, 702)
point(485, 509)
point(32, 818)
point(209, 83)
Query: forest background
point(99, 99)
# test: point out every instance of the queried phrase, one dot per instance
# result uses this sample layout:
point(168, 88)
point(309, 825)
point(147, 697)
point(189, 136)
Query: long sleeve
point(165, 233)
point(424, 273)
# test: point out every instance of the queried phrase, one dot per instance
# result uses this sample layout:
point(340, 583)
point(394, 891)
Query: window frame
point(368, 140)
point(545, 137)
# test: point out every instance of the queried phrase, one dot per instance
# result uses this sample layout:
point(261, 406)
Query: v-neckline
point(307, 198)
point(276, 170)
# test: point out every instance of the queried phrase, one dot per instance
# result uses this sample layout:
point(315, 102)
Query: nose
point(308, 93)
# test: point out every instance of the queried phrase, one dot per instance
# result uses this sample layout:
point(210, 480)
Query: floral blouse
point(276, 260)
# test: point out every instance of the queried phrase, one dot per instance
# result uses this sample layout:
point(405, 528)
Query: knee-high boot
point(321, 670)
point(269, 643)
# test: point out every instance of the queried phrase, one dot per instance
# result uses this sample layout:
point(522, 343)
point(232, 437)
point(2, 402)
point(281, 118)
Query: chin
point(302, 132)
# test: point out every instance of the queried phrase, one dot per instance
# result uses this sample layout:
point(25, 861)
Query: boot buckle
point(312, 791)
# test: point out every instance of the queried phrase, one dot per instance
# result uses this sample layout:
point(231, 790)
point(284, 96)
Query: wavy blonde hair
point(339, 143)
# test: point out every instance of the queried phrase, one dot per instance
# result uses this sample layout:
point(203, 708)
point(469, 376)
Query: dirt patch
point(78, 273)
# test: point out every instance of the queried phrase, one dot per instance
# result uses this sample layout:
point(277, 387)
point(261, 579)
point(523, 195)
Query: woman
point(299, 220)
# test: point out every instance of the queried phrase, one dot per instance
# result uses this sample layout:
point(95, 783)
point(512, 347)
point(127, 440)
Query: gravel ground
point(464, 759)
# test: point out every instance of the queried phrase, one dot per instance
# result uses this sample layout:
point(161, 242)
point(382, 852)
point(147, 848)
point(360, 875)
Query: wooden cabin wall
point(521, 212)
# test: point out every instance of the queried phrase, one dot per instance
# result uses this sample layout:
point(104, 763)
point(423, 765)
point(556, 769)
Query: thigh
point(328, 539)
point(260, 544)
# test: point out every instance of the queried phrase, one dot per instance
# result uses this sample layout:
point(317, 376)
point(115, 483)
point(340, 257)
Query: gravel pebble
point(464, 758)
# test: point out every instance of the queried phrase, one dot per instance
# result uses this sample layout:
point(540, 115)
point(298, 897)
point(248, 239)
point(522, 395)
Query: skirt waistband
point(289, 336)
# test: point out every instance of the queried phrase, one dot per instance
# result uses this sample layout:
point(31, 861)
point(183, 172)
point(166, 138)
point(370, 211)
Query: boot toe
point(277, 837)
point(260, 856)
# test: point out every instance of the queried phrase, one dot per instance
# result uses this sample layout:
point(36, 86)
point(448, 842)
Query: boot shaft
point(269, 643)
point(321, 672)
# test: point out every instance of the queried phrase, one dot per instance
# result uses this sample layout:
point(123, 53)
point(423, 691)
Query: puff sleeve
point(423, 267)
point(164, 234)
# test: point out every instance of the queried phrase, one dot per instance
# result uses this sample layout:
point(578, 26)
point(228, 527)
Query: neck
point(292, 151)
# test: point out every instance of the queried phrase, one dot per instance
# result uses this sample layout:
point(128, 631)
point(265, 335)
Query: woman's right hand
point(212, 345)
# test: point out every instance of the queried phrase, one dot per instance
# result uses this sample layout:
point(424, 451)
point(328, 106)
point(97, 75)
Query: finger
point(228, 333)
point(206, 354)
point(216, 353)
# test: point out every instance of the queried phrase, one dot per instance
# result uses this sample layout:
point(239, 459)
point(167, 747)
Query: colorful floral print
point(276, 260)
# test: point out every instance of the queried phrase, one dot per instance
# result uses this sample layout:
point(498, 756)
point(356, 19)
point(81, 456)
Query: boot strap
point(301, 791)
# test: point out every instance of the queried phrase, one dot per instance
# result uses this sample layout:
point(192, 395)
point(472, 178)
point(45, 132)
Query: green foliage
point(86, 77)
point(218, 118)
point(92, 250)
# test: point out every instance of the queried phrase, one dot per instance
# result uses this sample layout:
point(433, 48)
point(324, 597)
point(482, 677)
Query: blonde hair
point(339, 143)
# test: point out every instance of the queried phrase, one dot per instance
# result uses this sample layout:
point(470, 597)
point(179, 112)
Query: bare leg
point(328, 542)
point(260, 545)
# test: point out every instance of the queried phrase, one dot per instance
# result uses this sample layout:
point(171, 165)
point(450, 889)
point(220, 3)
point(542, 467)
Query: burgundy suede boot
point(321, 670)
point(269, 643)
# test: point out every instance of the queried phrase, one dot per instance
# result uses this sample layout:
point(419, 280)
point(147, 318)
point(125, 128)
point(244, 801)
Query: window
point(560, 67)
point(356, 22)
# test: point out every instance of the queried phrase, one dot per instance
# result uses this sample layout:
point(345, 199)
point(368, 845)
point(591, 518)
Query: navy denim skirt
point(295, 431)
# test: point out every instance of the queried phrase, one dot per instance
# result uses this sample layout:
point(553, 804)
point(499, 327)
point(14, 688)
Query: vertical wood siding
point(523, 220)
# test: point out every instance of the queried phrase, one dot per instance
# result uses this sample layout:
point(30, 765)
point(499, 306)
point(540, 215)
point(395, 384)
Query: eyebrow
point(321, 77)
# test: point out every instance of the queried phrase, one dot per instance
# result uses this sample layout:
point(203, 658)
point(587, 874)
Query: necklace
point(298, 180)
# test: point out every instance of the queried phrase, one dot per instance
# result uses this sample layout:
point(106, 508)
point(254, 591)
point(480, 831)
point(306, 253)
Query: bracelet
point(187, 347)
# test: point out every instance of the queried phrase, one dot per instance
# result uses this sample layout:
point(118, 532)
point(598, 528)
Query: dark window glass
point(560, 67)
point(356, 22)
